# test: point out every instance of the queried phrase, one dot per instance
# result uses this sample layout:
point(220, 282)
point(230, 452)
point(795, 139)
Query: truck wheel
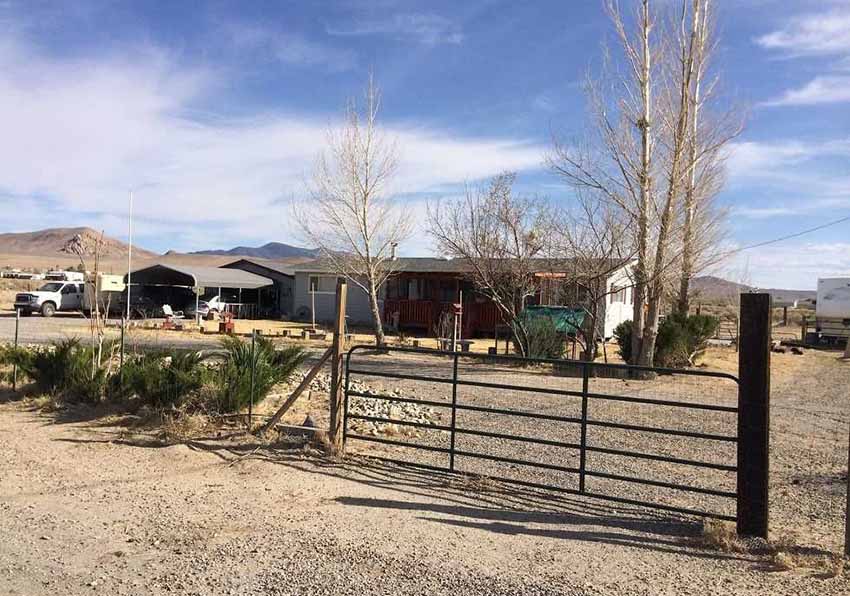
point(47, 309)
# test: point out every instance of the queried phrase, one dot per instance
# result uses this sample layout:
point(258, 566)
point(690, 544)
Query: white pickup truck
point(53, 296)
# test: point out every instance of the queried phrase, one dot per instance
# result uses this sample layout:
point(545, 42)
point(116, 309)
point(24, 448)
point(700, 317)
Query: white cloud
point(824, 33)
point(79, 134)
point(425, 28)
point(789, 265)
point(820, 90)
point(749, 159)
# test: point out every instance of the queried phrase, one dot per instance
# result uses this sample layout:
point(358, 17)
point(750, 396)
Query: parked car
point(207, 307)
point(51, 297)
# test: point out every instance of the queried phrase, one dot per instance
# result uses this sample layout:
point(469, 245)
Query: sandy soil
point(90, 505)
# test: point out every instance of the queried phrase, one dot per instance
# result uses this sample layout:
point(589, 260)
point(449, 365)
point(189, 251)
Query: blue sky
point(215, 112)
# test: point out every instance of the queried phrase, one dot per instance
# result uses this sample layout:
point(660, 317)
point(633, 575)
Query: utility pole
point(129, 250)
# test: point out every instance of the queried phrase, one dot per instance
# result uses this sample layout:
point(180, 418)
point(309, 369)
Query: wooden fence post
point(337, 374)
point(753, 414)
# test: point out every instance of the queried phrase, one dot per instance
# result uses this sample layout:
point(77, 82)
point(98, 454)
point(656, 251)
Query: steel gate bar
point(585, 381)
point(584, 421)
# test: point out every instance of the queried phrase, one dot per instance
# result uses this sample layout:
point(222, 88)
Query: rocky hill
point(62, 241)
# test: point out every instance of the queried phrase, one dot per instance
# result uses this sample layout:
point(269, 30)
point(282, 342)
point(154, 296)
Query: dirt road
point(88, 507)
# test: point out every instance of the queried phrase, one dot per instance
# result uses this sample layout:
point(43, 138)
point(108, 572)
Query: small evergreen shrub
point(160, 379)
point(270, 366)
point(543, 339)
point(681, 339)
point(623, 337)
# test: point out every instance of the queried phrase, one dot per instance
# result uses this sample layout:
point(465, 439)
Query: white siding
point(618, 307)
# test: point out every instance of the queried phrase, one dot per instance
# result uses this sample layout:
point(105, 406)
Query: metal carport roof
point(196, 276)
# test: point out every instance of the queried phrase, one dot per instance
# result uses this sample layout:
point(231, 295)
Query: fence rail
point(585, 469)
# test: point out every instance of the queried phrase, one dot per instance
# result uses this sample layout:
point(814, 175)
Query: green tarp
point(566, 319)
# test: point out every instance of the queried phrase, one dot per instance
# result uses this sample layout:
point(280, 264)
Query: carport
point(178, 283)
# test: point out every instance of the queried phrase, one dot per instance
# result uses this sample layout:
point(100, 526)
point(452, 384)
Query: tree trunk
point(640, 288)
point(376, 315)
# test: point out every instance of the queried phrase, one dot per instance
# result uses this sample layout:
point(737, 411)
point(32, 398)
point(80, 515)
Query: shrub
point(543, 339)
point(63, 369)
point(160, 379)
point(623, 336)
point(233, 381)
point(681, 339)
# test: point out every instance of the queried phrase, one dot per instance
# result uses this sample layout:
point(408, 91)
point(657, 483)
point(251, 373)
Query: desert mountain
point(271, 250)
point(59, 242)
point(711, 288)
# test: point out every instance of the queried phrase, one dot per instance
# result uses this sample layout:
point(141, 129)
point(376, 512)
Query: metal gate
point(474, 414)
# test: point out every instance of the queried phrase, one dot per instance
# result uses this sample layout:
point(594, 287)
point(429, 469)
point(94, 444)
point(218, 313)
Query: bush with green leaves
point(543, 340)
point(66, 368)
point(233, 380)
point(681, 339)
point(623, 337)
point(160, 379)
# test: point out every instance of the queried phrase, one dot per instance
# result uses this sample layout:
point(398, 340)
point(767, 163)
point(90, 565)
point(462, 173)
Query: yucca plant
point(160, 379)
point(65, 369)
point(270, 367)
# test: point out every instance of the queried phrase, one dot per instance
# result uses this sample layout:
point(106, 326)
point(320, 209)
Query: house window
point(618, 294)
point(322, 284)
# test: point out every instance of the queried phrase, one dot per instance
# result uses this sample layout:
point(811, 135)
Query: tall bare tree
point(353, 216)
point(709, 130)
point(639, 159)
point(502, 236)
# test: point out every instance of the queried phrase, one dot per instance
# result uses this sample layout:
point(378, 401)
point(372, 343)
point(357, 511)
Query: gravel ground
point(87, 506)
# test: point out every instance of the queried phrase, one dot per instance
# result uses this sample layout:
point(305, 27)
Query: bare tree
point(501, 235)
point(352, 216)
point(640, 157)
point(709, 130)
point(591, 243)
point(98, 313)
point(618, 164)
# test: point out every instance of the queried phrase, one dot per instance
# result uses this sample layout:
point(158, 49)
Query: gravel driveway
point(86, 506)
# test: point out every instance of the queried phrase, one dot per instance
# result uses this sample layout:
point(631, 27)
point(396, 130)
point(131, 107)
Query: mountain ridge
point(269, 250)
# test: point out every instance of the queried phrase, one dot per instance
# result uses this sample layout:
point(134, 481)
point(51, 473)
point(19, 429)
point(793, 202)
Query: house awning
point(190, 276)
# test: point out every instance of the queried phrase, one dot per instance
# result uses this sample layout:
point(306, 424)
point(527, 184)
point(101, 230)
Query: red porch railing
point(478, 317)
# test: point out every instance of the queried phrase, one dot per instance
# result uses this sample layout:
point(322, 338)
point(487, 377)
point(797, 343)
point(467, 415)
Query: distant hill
point(57, 242)
point(271, 250)
point(711, 288)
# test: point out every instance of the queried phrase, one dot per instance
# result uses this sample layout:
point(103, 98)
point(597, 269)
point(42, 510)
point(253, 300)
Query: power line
point(790, 236)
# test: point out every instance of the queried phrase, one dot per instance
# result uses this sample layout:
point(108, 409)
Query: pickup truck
point(53, 296)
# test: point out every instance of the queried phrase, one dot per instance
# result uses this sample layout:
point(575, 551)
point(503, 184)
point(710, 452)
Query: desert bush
point(66, 368)
point(233, 378)
point(543, 339)
point(623, 337)
point(681, 339)
point(160, 379)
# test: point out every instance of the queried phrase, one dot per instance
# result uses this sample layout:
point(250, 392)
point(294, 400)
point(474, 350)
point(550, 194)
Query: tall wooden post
point(753, 414)
point(337, 374)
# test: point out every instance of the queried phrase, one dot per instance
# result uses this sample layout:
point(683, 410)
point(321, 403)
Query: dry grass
point(179, 426)
point(721, 536)
point(44, 403)
point(783, 553)
point(472, 483)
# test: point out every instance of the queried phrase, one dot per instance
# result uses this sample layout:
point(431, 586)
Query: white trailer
point(832, 310)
